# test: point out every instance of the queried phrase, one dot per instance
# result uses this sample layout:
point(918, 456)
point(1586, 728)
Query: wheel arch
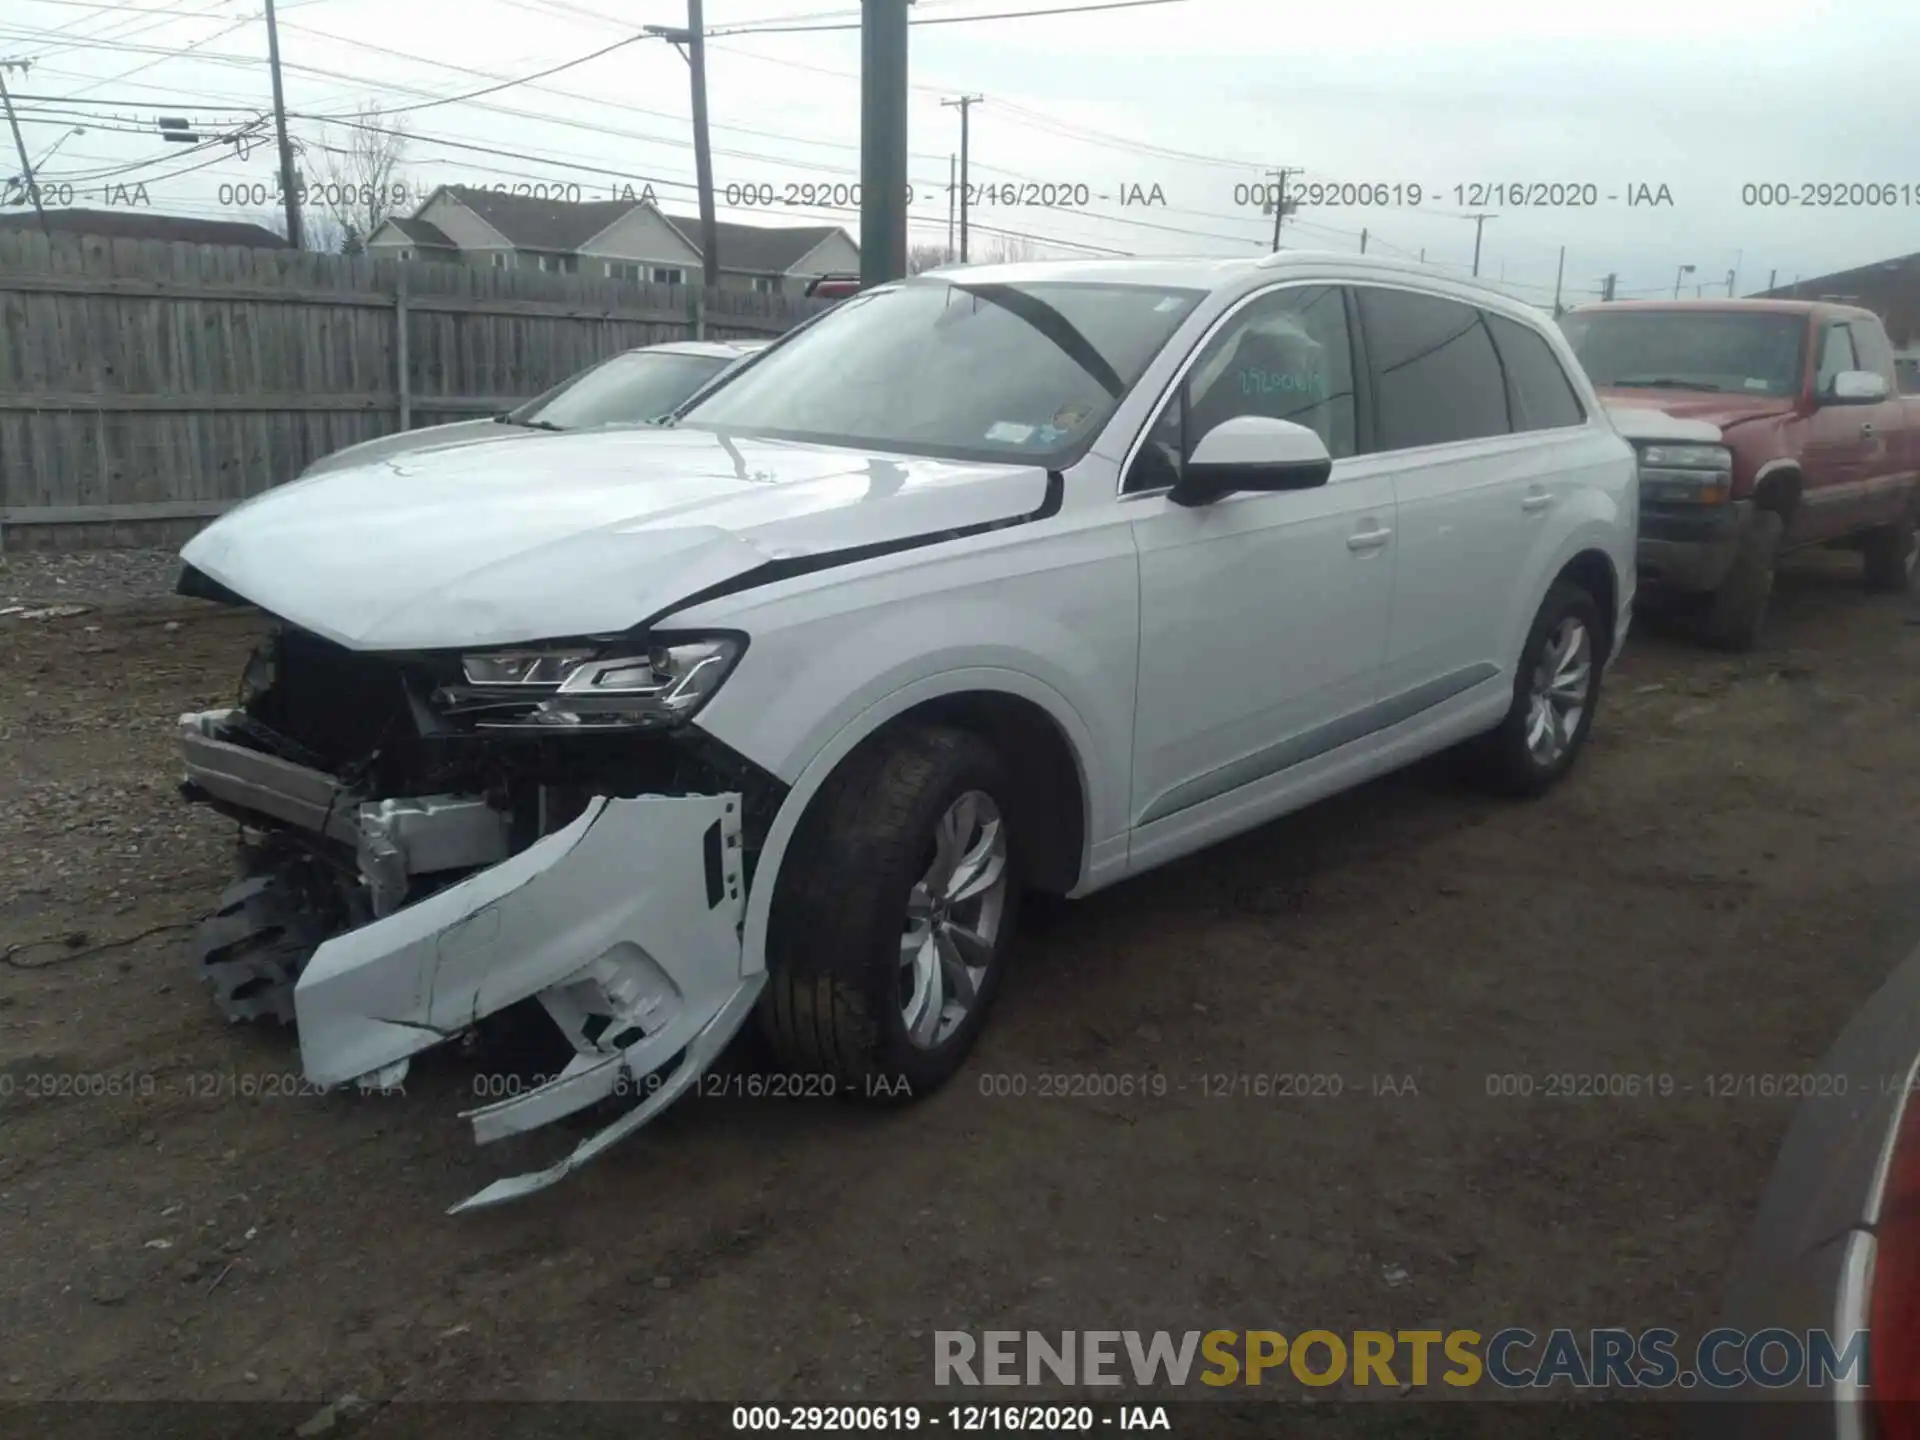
point(1777, 487)
point(1592, 570)
point(1034, 727)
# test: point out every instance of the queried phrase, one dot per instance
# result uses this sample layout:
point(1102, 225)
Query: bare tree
point(925, 257)
point(361, 185)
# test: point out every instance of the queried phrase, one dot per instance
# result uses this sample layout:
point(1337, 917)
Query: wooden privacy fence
point(145, 384)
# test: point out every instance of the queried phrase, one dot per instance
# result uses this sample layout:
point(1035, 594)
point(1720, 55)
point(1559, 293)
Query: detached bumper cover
point(624, 924)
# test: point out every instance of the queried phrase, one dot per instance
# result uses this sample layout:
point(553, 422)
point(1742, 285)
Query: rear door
point(1465, 487)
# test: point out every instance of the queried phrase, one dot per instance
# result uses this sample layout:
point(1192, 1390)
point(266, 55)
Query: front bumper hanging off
point(624, 924)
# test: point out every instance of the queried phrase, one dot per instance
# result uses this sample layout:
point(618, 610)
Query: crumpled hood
point(1688, 406)
point(576, 535)
point(1644, 422)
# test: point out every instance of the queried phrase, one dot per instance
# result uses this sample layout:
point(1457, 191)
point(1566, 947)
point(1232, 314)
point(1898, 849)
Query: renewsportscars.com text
point(1510, 1359)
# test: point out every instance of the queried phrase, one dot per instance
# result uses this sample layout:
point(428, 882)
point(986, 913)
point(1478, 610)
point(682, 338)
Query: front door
point(1840, 440)
point(1263, 617)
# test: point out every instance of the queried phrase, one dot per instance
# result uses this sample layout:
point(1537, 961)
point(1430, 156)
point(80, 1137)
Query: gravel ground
point(1708, 896)
point(87, 577)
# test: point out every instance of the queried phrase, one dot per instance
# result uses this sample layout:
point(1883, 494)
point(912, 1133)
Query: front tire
point(1738, 608)
point(894, 915)
point(1889, 553)
point(1555, 692)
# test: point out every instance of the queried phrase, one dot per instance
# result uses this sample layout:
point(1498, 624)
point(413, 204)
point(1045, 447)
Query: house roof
point(421, 233)
point(529, 223)
point(763, 249)
point(128, 223)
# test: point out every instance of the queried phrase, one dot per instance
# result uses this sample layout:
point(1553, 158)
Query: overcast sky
point(1199, 98)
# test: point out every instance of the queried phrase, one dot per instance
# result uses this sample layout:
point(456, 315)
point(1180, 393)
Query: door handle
point(1535, 502)
point(1369, 539)
point(1866, 428)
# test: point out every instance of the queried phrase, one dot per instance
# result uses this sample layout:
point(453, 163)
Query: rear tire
point(1738, 608)
point(866, 980)
point(1888, 553)
point(1556, 685)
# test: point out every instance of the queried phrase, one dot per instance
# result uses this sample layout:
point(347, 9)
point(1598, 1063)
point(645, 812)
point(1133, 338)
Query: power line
point(762, 29)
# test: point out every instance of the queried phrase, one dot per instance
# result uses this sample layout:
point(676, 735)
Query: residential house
point(139, 223)
point(609, 239)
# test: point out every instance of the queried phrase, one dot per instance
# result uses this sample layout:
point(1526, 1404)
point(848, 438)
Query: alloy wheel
point(1562, 683)
point(953, 920)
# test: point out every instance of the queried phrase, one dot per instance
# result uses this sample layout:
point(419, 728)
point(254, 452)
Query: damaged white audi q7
point(1004, 579)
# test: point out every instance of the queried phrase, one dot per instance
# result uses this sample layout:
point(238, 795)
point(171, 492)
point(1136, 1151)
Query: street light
point(1683, 272)
point(48, 155)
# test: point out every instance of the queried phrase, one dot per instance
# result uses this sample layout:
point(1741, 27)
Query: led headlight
point(582, 689)
point(1686, 474)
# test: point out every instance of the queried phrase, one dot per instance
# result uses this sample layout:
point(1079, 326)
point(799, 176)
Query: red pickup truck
point(1763, 426)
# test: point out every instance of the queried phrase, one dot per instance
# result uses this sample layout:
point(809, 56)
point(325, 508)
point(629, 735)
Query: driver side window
point(1836, 354)
point(1286, 356)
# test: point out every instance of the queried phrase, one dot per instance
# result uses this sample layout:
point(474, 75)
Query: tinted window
point(1538, 390)
point(1712, 351)
point(1436, 377)
point(1836, 354)
point(628, 389)
point(956, 369)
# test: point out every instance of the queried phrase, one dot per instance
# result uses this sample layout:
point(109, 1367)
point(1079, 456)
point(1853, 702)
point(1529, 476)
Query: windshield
point(1712, 351)
point(628, 389)
point(966, 371)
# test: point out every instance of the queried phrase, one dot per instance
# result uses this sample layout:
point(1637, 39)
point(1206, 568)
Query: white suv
point(1012, 577)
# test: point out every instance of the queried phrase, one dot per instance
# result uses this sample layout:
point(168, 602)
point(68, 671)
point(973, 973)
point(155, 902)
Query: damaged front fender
point(625, 924)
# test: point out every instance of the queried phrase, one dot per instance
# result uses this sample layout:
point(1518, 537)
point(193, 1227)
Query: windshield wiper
point(509, 418)
point(1665, 382)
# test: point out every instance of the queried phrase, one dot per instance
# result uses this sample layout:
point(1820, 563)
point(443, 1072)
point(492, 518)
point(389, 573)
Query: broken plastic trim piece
point(701, 1054)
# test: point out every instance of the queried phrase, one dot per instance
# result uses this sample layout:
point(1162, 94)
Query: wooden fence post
point(402, 360)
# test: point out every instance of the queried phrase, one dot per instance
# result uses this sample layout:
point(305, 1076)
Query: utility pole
point(1730, 275)
point(702, 147)
point(1606, 287)
point(883, 140)
point(1772, 275)
point(694, 37)
point(1363, 241)
point(1479, 218)
point(287, 187)
point(26, 165)
point(1280, 203)
point(964, 104)
point(952, 162)
point(1558, 276)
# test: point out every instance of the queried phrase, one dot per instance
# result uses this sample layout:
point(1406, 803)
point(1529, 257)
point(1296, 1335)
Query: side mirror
point(1252, 452)
point(1858, 387)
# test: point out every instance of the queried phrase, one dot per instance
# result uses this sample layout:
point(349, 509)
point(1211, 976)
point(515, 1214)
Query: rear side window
point(1436, 376)
point(1538, 391)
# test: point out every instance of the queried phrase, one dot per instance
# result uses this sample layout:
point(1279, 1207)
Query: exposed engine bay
point(429, 840)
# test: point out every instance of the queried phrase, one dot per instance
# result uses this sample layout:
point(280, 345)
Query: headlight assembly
point(575, 688)
point(1686, 474)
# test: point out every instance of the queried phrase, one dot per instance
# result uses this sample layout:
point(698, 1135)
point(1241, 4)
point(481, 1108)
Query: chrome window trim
point(1593, 417)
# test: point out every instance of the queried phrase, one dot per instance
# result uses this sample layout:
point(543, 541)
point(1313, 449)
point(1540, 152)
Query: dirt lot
point(1722, 882)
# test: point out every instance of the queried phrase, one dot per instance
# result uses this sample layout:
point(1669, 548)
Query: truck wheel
point(894, 914)
point(1738, 608)
point(1555, 691)
point(1889, 552)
